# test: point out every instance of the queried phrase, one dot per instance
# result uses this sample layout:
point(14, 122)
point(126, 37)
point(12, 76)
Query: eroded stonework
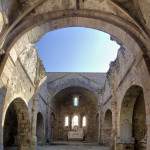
point(121, 94)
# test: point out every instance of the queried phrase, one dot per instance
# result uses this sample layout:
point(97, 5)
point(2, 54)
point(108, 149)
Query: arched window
point(66, 121)
point(75, 121)
point(84, 122)
point(76, 101)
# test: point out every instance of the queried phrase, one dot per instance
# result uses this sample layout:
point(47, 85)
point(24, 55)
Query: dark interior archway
point(17, 126)
point(139, 123)
point(40, 128)
point(133, 130)
point(107, 129)
point(11, 127)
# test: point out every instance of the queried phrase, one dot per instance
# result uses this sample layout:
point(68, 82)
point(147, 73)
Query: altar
point(76, 134)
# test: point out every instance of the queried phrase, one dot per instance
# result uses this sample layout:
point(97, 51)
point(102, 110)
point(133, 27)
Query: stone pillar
point(47, 128)
point(147, 107)
point(33, 139)
point(1, 131)
point(33, 145)
point(148, 135)
point(50, 127)
point(99, 128)
point(99, 93)
point(2, 95)
point(114, 123)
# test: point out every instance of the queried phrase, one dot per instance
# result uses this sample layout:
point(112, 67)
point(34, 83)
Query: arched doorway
point(107, 129)
point(139, 123)
point(133, 130)
point(11, 127)
point(17, 126)
point(40, 128)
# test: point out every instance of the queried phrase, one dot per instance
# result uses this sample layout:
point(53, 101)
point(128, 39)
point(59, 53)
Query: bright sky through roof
point(77, 49)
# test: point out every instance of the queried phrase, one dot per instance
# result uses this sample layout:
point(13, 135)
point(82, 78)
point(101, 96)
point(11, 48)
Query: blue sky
point(76, 49)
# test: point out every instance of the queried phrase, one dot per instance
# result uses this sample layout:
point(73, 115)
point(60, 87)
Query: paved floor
point(70, 146)
point(73, 146)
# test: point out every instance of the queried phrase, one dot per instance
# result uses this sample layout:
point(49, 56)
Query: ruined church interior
point(42, 110)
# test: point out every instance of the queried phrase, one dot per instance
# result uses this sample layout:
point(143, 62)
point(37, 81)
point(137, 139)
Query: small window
point(75, 121)
point(84, 122)
point(66, 121)
point(76, 101)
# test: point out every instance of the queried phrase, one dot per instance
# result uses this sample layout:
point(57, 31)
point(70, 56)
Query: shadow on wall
point(133, 129)
point(107, 128)
point(16, 130)
point(40, 129)
point(3, 91)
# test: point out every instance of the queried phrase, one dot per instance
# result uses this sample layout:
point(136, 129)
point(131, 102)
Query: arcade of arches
point(39, 108)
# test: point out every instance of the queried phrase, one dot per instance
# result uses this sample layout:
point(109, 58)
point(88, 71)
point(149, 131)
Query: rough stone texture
point(87, 107)
point(59, 81)
point(19, 82)
point(74, 147)
point(22, 23)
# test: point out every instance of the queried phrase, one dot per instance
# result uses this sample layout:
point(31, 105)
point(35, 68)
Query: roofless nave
point(32, 102)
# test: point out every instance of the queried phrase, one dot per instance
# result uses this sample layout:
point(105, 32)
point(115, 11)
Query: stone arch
point(40, 128)
point(118, 27)
point(73, 18)
point(107, 127)
point(133, 129)
point(72, 82)
point(16, 130)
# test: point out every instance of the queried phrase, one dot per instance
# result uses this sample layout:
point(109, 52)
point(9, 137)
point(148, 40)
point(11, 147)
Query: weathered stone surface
point(22, 75)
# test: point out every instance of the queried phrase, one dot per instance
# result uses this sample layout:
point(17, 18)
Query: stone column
point(33, 145)
point(147, 107)
point(114, 122)
point(33, 142)
point(1, 130)
point(148, 137)
point(48, 127)
point(100, 116)
point(100, 128)
point(2, 95)
point(25, 142)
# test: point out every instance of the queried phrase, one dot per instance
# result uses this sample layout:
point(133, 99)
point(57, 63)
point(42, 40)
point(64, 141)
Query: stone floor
point(69, 146)
point(73, 146)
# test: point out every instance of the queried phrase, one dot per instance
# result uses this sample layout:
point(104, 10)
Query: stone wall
point(18, 81)
point(129, 69)
point(24, 22)
point(87, 107)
